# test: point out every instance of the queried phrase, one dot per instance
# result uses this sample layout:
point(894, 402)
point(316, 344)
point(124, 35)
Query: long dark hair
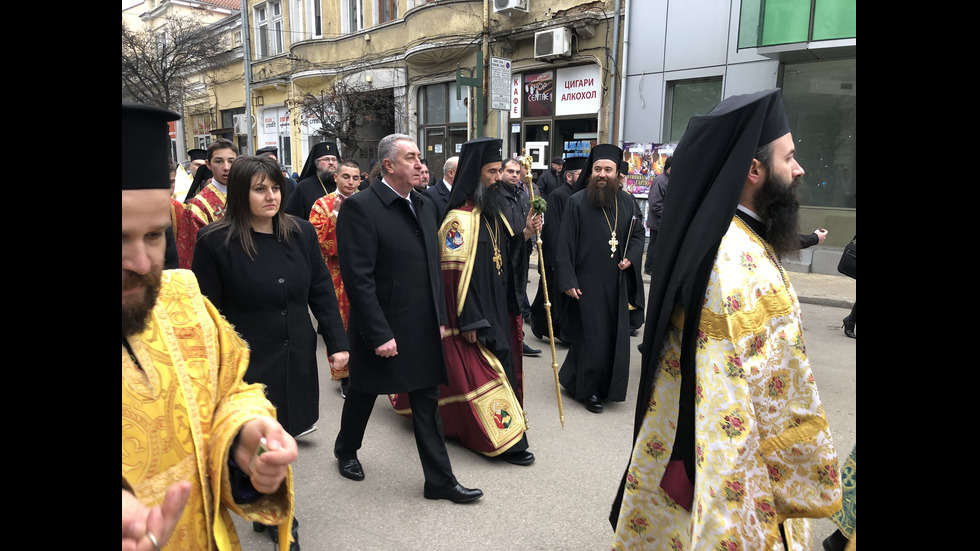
point(238, 214)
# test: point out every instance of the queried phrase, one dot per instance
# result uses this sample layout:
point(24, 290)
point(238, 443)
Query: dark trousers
point(426, 422)
point(647, 263)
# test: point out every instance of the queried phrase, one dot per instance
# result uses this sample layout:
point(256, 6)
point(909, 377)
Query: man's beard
point(778, 205)
point(136, 316)
point(324, 174)
point(602, 196)
point(489, 199)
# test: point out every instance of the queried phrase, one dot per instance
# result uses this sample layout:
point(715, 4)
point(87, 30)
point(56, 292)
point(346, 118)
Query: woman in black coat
point(263, 269)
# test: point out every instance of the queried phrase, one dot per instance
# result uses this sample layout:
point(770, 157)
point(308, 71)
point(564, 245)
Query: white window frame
point(346, 17)
point(269, 28)
point(313, 11)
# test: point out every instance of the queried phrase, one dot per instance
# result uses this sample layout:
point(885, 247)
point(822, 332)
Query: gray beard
point(488, 199)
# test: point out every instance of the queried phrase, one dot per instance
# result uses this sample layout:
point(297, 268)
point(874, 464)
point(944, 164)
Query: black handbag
point(848, 260)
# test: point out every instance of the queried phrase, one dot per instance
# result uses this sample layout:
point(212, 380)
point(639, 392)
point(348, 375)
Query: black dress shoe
point(593, 404)
point(273, 532)
point(634, 332)
point(537, 334)
point(350, 468)
point(456, 494)
point(849, 328)
point(835, 542)
point(344, 386)
point(528, 351)
point(522, 458)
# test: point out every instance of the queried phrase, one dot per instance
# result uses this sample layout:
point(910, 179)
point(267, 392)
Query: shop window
point(686, 99)
point(773, 22)
point(441, 124)
point(821, 103)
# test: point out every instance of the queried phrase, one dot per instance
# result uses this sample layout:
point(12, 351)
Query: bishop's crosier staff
point(538, 205)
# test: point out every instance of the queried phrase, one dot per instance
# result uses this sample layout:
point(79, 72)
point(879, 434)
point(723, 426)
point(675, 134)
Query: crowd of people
point(418, 290)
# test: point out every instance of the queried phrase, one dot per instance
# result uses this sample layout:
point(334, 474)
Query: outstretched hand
point(160, 521)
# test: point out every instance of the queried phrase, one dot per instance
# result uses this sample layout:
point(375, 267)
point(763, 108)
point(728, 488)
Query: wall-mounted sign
point(500, 84)
point(577, 90)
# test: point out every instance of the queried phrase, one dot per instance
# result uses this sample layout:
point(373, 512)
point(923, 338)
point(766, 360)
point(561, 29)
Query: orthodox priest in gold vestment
point(188, 418)
point(732, 448)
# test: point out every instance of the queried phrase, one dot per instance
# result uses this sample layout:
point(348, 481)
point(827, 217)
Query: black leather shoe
point(350, 468)
point(849, 328)
point(593, 404)
point(537, 334)
point(835, 542)
point(273, 532)
point(634, 332)
point(456, 494)
point(344, 385)
point(522, 458)
point(528, 351)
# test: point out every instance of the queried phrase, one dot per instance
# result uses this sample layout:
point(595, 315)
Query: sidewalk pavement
point(821, 289)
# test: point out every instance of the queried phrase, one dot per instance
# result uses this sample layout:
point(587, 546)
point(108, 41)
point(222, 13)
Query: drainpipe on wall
point(622, 87)
point(612, 74)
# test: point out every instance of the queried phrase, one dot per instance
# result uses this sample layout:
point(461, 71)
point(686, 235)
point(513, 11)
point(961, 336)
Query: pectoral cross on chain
point(612, 245)
point(498, 260)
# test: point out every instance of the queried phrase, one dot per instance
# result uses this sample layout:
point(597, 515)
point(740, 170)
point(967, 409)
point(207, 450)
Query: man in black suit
point(389, 261)
point(439, 191)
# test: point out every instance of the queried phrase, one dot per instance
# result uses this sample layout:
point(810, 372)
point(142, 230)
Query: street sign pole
point(476, 82)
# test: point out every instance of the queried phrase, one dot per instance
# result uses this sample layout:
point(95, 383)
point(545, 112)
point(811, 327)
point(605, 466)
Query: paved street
point(561, 502)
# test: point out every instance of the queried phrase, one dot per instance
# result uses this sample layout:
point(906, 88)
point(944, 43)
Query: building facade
point(549, 78)
point(684, 56)
point(436, 59)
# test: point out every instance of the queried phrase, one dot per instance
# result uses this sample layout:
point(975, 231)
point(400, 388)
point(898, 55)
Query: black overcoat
point(301, 199)
point(269, 300)
point(389, 261)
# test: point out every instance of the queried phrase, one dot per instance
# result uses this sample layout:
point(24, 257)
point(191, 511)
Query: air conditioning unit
point(241, 127)
point(553, 43)
point(508, 6)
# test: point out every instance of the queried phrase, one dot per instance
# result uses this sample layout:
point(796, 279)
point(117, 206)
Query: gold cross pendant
point(498, 260)
point(612, 245)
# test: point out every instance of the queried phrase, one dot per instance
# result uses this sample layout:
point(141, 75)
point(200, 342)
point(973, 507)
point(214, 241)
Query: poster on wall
point(646, 161)
point(539, 94)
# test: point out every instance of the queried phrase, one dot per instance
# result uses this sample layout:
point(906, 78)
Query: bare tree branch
point(343, 109)
point(155, 65)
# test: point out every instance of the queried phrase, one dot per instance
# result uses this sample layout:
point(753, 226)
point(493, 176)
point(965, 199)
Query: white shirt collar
point(746, 210)
point(385, 182)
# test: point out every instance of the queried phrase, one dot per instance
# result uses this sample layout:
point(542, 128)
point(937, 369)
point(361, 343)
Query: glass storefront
point(441, 126)
point(821, 102)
